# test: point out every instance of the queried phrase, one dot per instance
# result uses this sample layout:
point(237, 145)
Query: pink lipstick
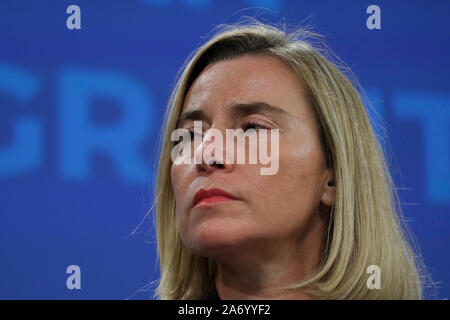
point(211, 196)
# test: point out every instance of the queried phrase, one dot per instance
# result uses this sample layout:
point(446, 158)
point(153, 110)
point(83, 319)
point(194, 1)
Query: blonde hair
point(366, 225)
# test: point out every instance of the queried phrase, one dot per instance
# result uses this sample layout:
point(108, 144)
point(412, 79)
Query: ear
point(329, 189)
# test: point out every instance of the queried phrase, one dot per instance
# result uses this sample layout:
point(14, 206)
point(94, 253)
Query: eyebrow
point(241, 109)
point(245, 109)
point(191, 115)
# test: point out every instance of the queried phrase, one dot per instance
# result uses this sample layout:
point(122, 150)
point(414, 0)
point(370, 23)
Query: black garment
point(214, 294)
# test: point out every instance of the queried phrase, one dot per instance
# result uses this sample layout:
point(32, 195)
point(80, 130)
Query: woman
point(309, 231)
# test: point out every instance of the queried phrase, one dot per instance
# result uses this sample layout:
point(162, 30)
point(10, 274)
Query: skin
point(274, 235)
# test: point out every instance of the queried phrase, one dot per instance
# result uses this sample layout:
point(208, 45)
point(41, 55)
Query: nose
point(213, 154)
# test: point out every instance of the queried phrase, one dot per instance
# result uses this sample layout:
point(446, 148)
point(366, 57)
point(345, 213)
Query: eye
point(192, 134)
point(195, 134)
point(252, 125)
point(188, 133)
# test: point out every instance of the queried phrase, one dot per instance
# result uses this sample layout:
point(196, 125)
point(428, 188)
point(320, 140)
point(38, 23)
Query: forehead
point(245, 79)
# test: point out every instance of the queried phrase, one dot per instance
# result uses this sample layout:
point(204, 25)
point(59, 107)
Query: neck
point(234, 285)
point(261, 271)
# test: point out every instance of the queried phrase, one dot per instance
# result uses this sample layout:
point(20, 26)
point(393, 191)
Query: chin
point(213, 239)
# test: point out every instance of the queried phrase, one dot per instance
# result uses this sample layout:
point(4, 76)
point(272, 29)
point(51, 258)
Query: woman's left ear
point(329, 189)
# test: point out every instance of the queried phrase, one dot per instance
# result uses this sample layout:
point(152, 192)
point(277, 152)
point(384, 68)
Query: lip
point(212, 196)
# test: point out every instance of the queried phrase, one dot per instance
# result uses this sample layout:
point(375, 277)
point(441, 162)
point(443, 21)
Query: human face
point(270, 209)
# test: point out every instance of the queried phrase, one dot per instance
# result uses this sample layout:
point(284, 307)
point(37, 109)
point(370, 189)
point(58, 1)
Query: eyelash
point(191, 133)
point(251, 123)
point(247, 125)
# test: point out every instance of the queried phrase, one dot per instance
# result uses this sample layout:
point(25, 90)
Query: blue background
point(80, 112)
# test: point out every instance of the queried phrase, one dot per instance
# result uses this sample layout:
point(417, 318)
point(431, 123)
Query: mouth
point(208, 197)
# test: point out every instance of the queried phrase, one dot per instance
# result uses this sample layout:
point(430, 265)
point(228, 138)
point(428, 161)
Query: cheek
point(304, 162)
point(174, 177)
point(180, 182)
point(294, 191)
